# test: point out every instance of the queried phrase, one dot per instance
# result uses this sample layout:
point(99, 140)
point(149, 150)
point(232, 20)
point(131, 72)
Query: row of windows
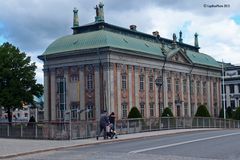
point(232, 88)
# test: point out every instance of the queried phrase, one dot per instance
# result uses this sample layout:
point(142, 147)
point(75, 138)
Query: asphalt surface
point(220, 144)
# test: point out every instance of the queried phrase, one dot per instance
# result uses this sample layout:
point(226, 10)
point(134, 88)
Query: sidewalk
point(16, 147)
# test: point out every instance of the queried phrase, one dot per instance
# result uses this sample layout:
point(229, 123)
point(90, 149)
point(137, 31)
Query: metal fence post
point(168, 123)
point(8, 130)
point(21, 130)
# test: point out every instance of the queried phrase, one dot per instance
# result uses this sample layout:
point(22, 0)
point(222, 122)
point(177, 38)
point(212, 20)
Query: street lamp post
point(159, 83)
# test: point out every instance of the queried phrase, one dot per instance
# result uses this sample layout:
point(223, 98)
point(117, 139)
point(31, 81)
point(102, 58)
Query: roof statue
point(196, 40)
point(180, 37)
point(75, 18)
point(174, 38)
point(99, 12)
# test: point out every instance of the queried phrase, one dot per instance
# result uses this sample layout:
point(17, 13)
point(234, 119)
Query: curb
point(103, 142)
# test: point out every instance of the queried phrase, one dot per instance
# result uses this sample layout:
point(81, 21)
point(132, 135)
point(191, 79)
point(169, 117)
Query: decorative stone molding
point(136, 68)
point(119, 66)
point(130, 67)
point(59, 72)
point(81, 67)
point(108, 66)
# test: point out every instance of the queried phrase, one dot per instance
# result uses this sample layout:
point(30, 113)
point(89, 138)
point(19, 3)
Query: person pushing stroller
point(104, 122)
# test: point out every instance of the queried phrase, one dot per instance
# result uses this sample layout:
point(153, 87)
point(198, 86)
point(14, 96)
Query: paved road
point(221, 144)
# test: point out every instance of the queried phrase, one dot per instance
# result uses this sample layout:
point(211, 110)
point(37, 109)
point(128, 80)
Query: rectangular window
point(124, 111)
point(192, 87)
point(184, 86)
point(215, 89)
point(177, 85)
point(90, 81)
point(90, 111)
point(204, 88)
point(142, 108)
point(198, 88)
point(233, 103)
point(151, 110)
point(74, 108)
point(61, 92)
point(231, 86)
point(141, 82)
point(124, 82)
point(169, 84)
point(150, 83)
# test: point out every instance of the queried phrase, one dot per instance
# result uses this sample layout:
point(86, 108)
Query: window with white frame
point(74, 108)
point(198, 88)
point(204, 88)
point(124, 111)
point(142, 109)
point(177, 85)
point(184, 86)
point(141, 82)
point(151, 110)
point(90, 111)
point(124, 82)
point(90, 81)
point(150, 83)
point(169, 85)
point(61, 94)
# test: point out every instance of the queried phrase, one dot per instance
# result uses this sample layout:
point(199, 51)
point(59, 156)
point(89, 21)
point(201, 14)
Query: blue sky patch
point(236, 19)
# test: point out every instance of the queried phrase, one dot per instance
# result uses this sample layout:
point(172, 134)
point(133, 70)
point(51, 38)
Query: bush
point(221, 114)
point(202, 111)
point(134, 113)
point(229, 113)
point(167, 112)
point(237, 114)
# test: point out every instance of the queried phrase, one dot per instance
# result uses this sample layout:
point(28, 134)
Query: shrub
point(229, 113)
point(167, 112)
point(221, 114)
point(134, 113)
point(237, 114)
point(202, 111)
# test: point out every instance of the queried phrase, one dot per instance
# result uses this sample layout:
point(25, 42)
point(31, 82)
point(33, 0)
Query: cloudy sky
point(32, 25)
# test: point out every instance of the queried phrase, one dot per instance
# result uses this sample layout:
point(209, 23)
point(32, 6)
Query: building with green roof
point(106, 67)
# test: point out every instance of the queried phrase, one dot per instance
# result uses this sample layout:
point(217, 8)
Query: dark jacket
point(104, 121)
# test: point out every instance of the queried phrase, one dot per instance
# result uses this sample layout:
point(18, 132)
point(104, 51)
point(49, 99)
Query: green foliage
point(17, 78)
point(134, 113)
point(221, 113)
point(237, 114)
point(229, 113)
point(167, 112)
point(202, 111)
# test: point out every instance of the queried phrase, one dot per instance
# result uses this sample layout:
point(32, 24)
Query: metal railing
point(88, 129)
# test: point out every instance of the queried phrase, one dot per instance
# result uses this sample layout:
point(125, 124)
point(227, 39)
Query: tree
point(202, 111)
point(17, 79)
point(134, 113)
point(167, 112)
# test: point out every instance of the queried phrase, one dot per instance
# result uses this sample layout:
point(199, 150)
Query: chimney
point(133, 27)
point(155, 33)
point(75, 18)
point(196, 40)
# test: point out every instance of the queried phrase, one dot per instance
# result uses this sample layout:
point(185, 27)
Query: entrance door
point(178, 111)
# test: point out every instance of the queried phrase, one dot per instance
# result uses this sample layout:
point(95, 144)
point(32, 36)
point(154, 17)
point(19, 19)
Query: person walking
point(112, 120)
point(104, 122)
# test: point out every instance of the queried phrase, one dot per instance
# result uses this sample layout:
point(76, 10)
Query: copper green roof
point(102, 38)
point(105, 38)
point(201, 58)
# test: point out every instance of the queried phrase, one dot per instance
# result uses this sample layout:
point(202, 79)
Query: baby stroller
point(111, 132)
